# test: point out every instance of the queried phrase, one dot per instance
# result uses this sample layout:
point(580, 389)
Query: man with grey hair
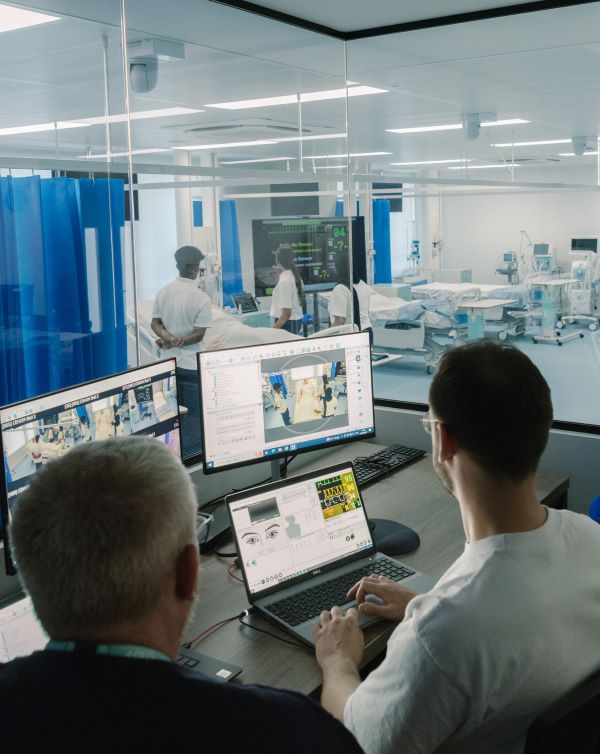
point(105, 543)
point(180, 316)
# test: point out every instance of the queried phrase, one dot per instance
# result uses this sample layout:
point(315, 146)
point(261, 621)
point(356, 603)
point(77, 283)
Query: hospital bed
point(226, 331)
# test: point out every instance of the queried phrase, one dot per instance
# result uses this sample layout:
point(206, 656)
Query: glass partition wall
point(453, 170)
point(491, 130)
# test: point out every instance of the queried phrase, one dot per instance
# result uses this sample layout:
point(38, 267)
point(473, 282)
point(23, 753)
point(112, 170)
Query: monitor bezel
point(8, 561)
point(266, 488)
point(277, 456)
point(576, 252)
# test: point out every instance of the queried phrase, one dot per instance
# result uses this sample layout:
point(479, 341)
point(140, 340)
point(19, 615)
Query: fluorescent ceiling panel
point(17, 18)
point(572, 154)
point(259, 159)
point(508, 166)
point(230, 145)
point(342, 156)
point(456, 126)
point(533, 143)
point(40, 127)
point(429, 162)
point(141, 115)
point(290, 99)
point(121, 154)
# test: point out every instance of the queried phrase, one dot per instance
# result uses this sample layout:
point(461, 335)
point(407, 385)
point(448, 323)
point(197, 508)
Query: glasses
point(203, 522)
point(427, 422)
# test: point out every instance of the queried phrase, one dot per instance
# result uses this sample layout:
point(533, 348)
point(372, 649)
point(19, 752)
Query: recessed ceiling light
point(105, 155)
point(258, 143)
point(290, 99)
point(318, 137)
point(164, 112)
point(428, 162)
point(17, 18)
point(533, 143)
point(260, 159)
point(572, 154)
point(423, 129)
point(485, 167)
point(40, 127)
point(343, 156)
point(331, 167)
point(456, 126)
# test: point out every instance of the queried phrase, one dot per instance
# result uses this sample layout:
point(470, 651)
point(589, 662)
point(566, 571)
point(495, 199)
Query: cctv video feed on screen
point(33, 432)
point(269, 400)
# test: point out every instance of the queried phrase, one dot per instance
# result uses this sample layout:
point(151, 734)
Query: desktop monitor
point(141, 401)
point(584, 245)
point(260, 403)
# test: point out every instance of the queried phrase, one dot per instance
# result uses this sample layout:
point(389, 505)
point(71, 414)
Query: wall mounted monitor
point(140, 401)
point(315, 242)
point(541, 249)
point(584, 245)
point(264, 402)
point(306, 201)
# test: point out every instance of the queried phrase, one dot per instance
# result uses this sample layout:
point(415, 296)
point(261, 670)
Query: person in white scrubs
point(307, 401)
point(344, 300)
point(288, 294)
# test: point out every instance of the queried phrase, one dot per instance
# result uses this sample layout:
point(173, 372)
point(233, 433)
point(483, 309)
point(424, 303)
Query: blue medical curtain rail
point(47, 340)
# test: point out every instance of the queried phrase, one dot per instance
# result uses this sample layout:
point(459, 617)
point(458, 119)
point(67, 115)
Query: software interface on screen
point(138, 402)
point(584, 245)
point(20, 631)
point(269, 400)
point(295, 528)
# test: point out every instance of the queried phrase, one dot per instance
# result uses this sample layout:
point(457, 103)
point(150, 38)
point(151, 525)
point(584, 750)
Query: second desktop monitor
point(267, 401)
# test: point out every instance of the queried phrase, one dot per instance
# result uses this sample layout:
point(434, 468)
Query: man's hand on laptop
point(387, 598)
point(339, 648)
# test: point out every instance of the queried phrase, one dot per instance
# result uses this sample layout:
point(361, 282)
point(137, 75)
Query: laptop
point(21, 634)
point(20, 631)
point(303, 542)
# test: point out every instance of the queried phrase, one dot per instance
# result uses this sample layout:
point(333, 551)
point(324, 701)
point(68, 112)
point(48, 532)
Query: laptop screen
point(297, 526)
point(20, 632)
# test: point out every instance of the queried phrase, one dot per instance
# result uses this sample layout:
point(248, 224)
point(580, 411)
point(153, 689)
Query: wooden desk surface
point(413, 496)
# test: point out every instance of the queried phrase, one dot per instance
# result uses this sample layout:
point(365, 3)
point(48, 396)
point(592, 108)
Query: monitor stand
point(275, 471)
point(392, 538)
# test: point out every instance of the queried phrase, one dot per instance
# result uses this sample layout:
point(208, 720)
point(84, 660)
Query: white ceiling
point(543, 67)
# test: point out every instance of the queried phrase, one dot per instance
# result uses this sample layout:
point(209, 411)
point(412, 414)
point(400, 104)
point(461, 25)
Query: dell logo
point(317, 572)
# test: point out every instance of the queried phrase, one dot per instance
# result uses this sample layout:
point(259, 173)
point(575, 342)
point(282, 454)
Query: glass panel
point(241, 154)
point(490, 130)
point(62, 256)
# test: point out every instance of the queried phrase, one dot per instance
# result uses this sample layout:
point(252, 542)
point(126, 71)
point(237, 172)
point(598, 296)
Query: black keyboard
point(309, 603)
point(373, 468)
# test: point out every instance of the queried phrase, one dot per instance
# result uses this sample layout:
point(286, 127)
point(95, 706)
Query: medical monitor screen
point(138, 402)
point(584, 245)
point(268, 401)
point(541, 249)
point(315, 243)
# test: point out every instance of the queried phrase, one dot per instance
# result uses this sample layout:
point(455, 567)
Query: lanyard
point(116, 650)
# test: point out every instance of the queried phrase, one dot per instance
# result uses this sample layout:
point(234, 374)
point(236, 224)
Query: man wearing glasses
point(475, 660)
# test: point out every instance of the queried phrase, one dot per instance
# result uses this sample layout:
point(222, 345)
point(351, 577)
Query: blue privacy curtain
point(381, 240)
point(230, 251)
point(339, 208)
point(47, 340)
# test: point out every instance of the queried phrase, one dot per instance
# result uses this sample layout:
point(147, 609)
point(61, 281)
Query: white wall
point(478, 228)
point(155, 237)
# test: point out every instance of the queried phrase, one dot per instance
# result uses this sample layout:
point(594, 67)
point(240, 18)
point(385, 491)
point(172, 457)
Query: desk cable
point(247, 612)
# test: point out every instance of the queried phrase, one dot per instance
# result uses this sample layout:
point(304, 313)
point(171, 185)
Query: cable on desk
point(211, 629)
point(230, 571)
point(270, 633)
point(220, 554)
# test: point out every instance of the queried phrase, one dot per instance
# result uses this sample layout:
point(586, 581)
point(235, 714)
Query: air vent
point(250, 127)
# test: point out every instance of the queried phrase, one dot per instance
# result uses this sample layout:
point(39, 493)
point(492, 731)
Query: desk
point(413, 495)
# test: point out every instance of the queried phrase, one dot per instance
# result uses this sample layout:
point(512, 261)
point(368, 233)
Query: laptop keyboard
point(309, 603)
point(374, 467)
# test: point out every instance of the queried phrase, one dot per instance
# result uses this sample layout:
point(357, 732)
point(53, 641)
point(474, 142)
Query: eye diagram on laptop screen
point(298, 527)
